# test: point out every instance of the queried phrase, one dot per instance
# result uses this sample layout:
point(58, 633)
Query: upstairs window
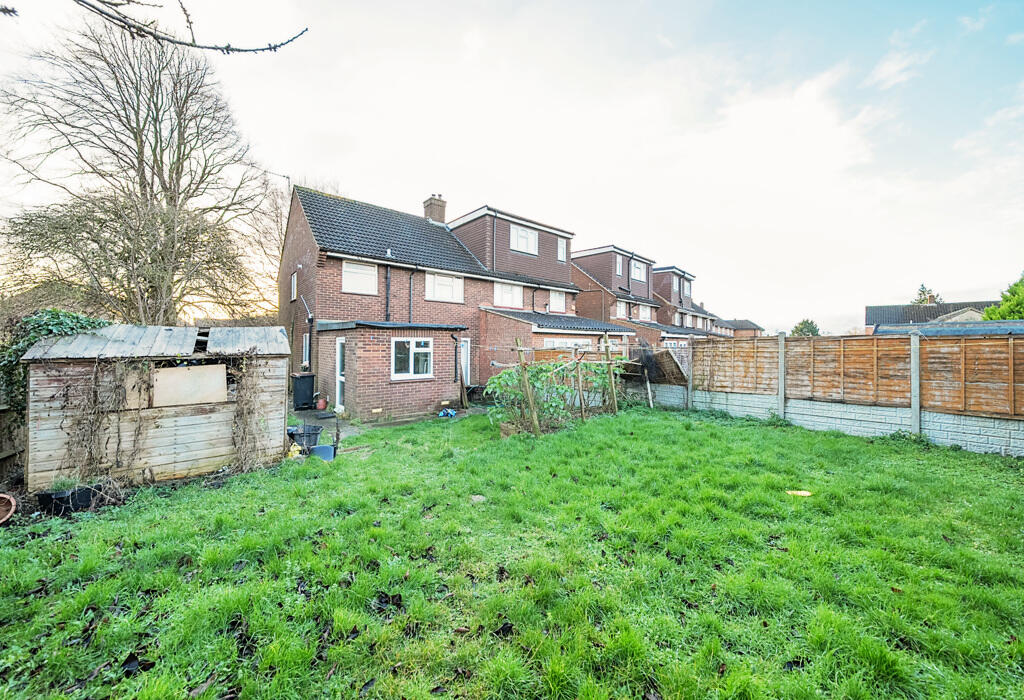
point(675, 285)
point(510, 295)
point(645, 312)
point(638, 271)
point(679, 319)
point(686, 288)
point(295, 286)
point(444, 288)
point(358, 278)
point(621, 310)
point(412, 358)
point(618, 265)
point(563, 249)
point(556, 302)
point(523, 239)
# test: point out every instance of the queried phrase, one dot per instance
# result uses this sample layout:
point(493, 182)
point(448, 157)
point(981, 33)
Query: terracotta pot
point(321, 404)
point(7, 507)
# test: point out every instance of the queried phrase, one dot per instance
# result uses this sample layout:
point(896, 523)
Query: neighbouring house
point(673, 288)
point(745, 328)
point(391, 309)
point(932, 312)
point(614, 283)
point(942, 329)
point(148, 403)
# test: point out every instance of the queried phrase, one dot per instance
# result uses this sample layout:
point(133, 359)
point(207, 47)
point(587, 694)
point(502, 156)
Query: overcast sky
point(801, 159)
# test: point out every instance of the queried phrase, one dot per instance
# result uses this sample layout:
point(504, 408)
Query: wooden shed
point(148, 403)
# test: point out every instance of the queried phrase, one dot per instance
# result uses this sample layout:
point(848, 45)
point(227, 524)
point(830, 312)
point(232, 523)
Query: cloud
point(897, 67)
point(976, 24)
point(1014, 39)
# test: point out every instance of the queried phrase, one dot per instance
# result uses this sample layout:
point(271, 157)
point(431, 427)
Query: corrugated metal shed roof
point(118, 340)
point(266, 340)
point(122, 340)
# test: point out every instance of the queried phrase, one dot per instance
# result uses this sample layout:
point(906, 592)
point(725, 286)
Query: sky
point(801, 159)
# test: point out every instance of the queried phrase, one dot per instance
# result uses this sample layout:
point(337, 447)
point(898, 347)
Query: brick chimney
point(931, 297)
point(433, 208)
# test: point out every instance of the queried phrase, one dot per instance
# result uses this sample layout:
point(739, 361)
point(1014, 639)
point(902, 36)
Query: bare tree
point(119, 14)
point(160, 190)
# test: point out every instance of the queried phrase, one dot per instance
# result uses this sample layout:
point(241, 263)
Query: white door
point(339, 390)
point(464, 359)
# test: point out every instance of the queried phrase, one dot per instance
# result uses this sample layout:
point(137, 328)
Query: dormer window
point(645, 312)
point(638, 271)
point(675, 285)
point(556, 302)
point(523, 239)
point(618, 265)
point(686, 288)
point(563, 249)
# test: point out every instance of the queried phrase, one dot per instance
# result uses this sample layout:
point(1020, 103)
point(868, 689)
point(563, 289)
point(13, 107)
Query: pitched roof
point(561, 322)
point(685, 305)
point(954, 328)
point(744, 324)
point(918, 313)
point(622, 296)
point(681, 331)
point(350, 227)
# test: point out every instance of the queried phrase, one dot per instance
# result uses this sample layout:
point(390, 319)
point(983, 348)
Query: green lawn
point(652, 554)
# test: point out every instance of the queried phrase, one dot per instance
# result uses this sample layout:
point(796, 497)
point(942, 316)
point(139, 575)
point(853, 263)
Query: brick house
point(388, 309)
point(673, 288)
point(614, 283)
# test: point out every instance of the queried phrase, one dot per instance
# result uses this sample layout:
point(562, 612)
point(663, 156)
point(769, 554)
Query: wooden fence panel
point(981, 375)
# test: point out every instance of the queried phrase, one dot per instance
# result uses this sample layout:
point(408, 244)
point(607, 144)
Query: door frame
point(339, 374)
point(467, 365)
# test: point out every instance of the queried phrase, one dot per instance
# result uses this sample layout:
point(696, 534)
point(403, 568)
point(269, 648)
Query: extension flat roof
point(348, 325)
point(560, 322)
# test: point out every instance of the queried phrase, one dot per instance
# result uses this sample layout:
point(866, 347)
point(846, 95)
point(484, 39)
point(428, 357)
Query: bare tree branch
point(114, 12)
point(164, 204)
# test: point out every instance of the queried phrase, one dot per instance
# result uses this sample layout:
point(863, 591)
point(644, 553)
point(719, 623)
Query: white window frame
point(670, 344)
point(516, 291)
point(678, 319)
point(413, 351)
point(430, 292)
point(522, 239)
point(618, 265)
point(351, 275)
point(686, 288)
point(305, 348)
point(563, 250)
point(675, 285)
point(638, 271)
point(295, 285)
point(621, 309)
point(566, 343)
point(644, 313)
point(560, 306)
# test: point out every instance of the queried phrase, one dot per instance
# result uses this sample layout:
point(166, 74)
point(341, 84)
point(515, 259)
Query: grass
point(650, 554)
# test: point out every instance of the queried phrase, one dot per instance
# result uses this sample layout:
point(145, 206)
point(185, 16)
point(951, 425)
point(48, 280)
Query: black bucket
point(61, 502)
point(308, 437)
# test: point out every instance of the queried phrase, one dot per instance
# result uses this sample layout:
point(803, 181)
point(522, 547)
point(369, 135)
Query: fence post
point(782, 374)
point(579, 384)
point(689, 368)
point(611, 373)
point(915, 382)
point(528, 389)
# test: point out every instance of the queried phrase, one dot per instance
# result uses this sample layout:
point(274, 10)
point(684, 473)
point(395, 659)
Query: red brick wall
point(370, 393)
point(661, 284)
point(299, 249)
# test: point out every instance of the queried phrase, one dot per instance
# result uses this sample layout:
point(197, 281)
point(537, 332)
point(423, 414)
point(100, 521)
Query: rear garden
point(650, 554)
